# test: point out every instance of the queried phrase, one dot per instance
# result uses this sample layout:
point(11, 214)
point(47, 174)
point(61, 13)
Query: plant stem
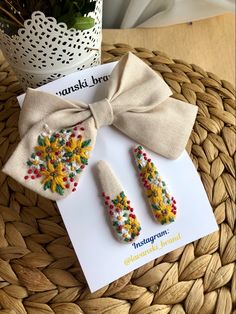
point(14, 9)
point(12, 17)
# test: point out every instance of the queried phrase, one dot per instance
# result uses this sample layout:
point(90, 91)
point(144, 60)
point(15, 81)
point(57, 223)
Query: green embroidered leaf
point(150, 178)
point(122, 194)
point(171, 219)
point(41, 141)
point(163, 221)
point(62, 142)
point(154, 206)
point(140, 167)
point(29, 163)
point(115, 202)
point(78, 170)
point(59, 189)
point(139, 155)
point(86, 143)
point(68, 154)
point(52, 139)
point(47, 185)
point(84, 160)
point(71, 175)
point(33, 155)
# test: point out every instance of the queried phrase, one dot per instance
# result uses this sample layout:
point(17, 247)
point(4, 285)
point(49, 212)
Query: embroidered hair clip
point(162, 204)
point(124, 222)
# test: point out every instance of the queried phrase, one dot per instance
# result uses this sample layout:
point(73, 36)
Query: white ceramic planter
point(45, 50)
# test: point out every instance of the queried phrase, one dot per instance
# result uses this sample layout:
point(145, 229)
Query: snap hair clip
point(124, 222)
point(163, 205)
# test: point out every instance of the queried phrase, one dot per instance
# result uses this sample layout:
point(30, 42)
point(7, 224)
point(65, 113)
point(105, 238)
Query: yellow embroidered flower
point(121, 201)
point(165, 214)
point(77, 150)
point(149, 171)
point(154, 193)
point(48, 149)
point(53, 177)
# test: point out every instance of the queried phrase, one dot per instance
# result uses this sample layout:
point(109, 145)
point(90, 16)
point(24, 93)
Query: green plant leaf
point(82, 22)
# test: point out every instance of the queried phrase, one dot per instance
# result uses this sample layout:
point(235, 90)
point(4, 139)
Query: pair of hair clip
point(122, 215)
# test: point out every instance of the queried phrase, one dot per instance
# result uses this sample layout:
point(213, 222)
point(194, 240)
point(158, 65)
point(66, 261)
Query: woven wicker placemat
point(39, 272)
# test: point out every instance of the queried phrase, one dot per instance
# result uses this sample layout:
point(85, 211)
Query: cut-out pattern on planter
point(45, 50)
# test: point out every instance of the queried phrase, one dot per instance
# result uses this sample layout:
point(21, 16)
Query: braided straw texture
point(39, 272)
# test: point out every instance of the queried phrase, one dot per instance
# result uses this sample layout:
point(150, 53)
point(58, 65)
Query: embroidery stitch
point(58, 158)
point(124, 222)
point(162, 204)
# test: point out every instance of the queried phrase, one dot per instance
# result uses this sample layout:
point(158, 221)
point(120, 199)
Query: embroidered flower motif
point(77, 150)
point(58, 158)
point(163, 206)
point(154, 193)
point(54, 177)
point(47, 148)
point(124, 222)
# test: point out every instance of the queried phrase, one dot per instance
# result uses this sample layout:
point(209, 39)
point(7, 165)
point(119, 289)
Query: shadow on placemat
point(39, 272)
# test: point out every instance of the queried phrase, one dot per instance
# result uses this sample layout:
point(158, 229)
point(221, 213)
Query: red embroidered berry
point(75, 128)
point(131, 209)
point(32, 177)
point(38, 153)
point(140, 152)
point(144, 154)
point(135, 150)
point(106, 203)
point(67, 143)
point(145, 158)
point(57, 135)
point(64, 179)
point(82, 166)
point(63, 169)
point(120, 227)
point(57, 153)
point(82, 129)
point(174, 201)
point(30, 171)
point(79, 136)
point(72, 180)
point(111, 206)
point(67, 185)
point(103, 194)
point(38, 175)
point(76, 183)
point(118, 210)
point(26, 177)
point(149, 160)
point(73, 190)
point(36, 171)
point(128, 202)
point(72, 135)
point(52, 161)
point(107, 197)
point(141, 174)
point(111, 212)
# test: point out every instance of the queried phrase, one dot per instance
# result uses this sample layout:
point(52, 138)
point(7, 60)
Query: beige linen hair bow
point(58, 135)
